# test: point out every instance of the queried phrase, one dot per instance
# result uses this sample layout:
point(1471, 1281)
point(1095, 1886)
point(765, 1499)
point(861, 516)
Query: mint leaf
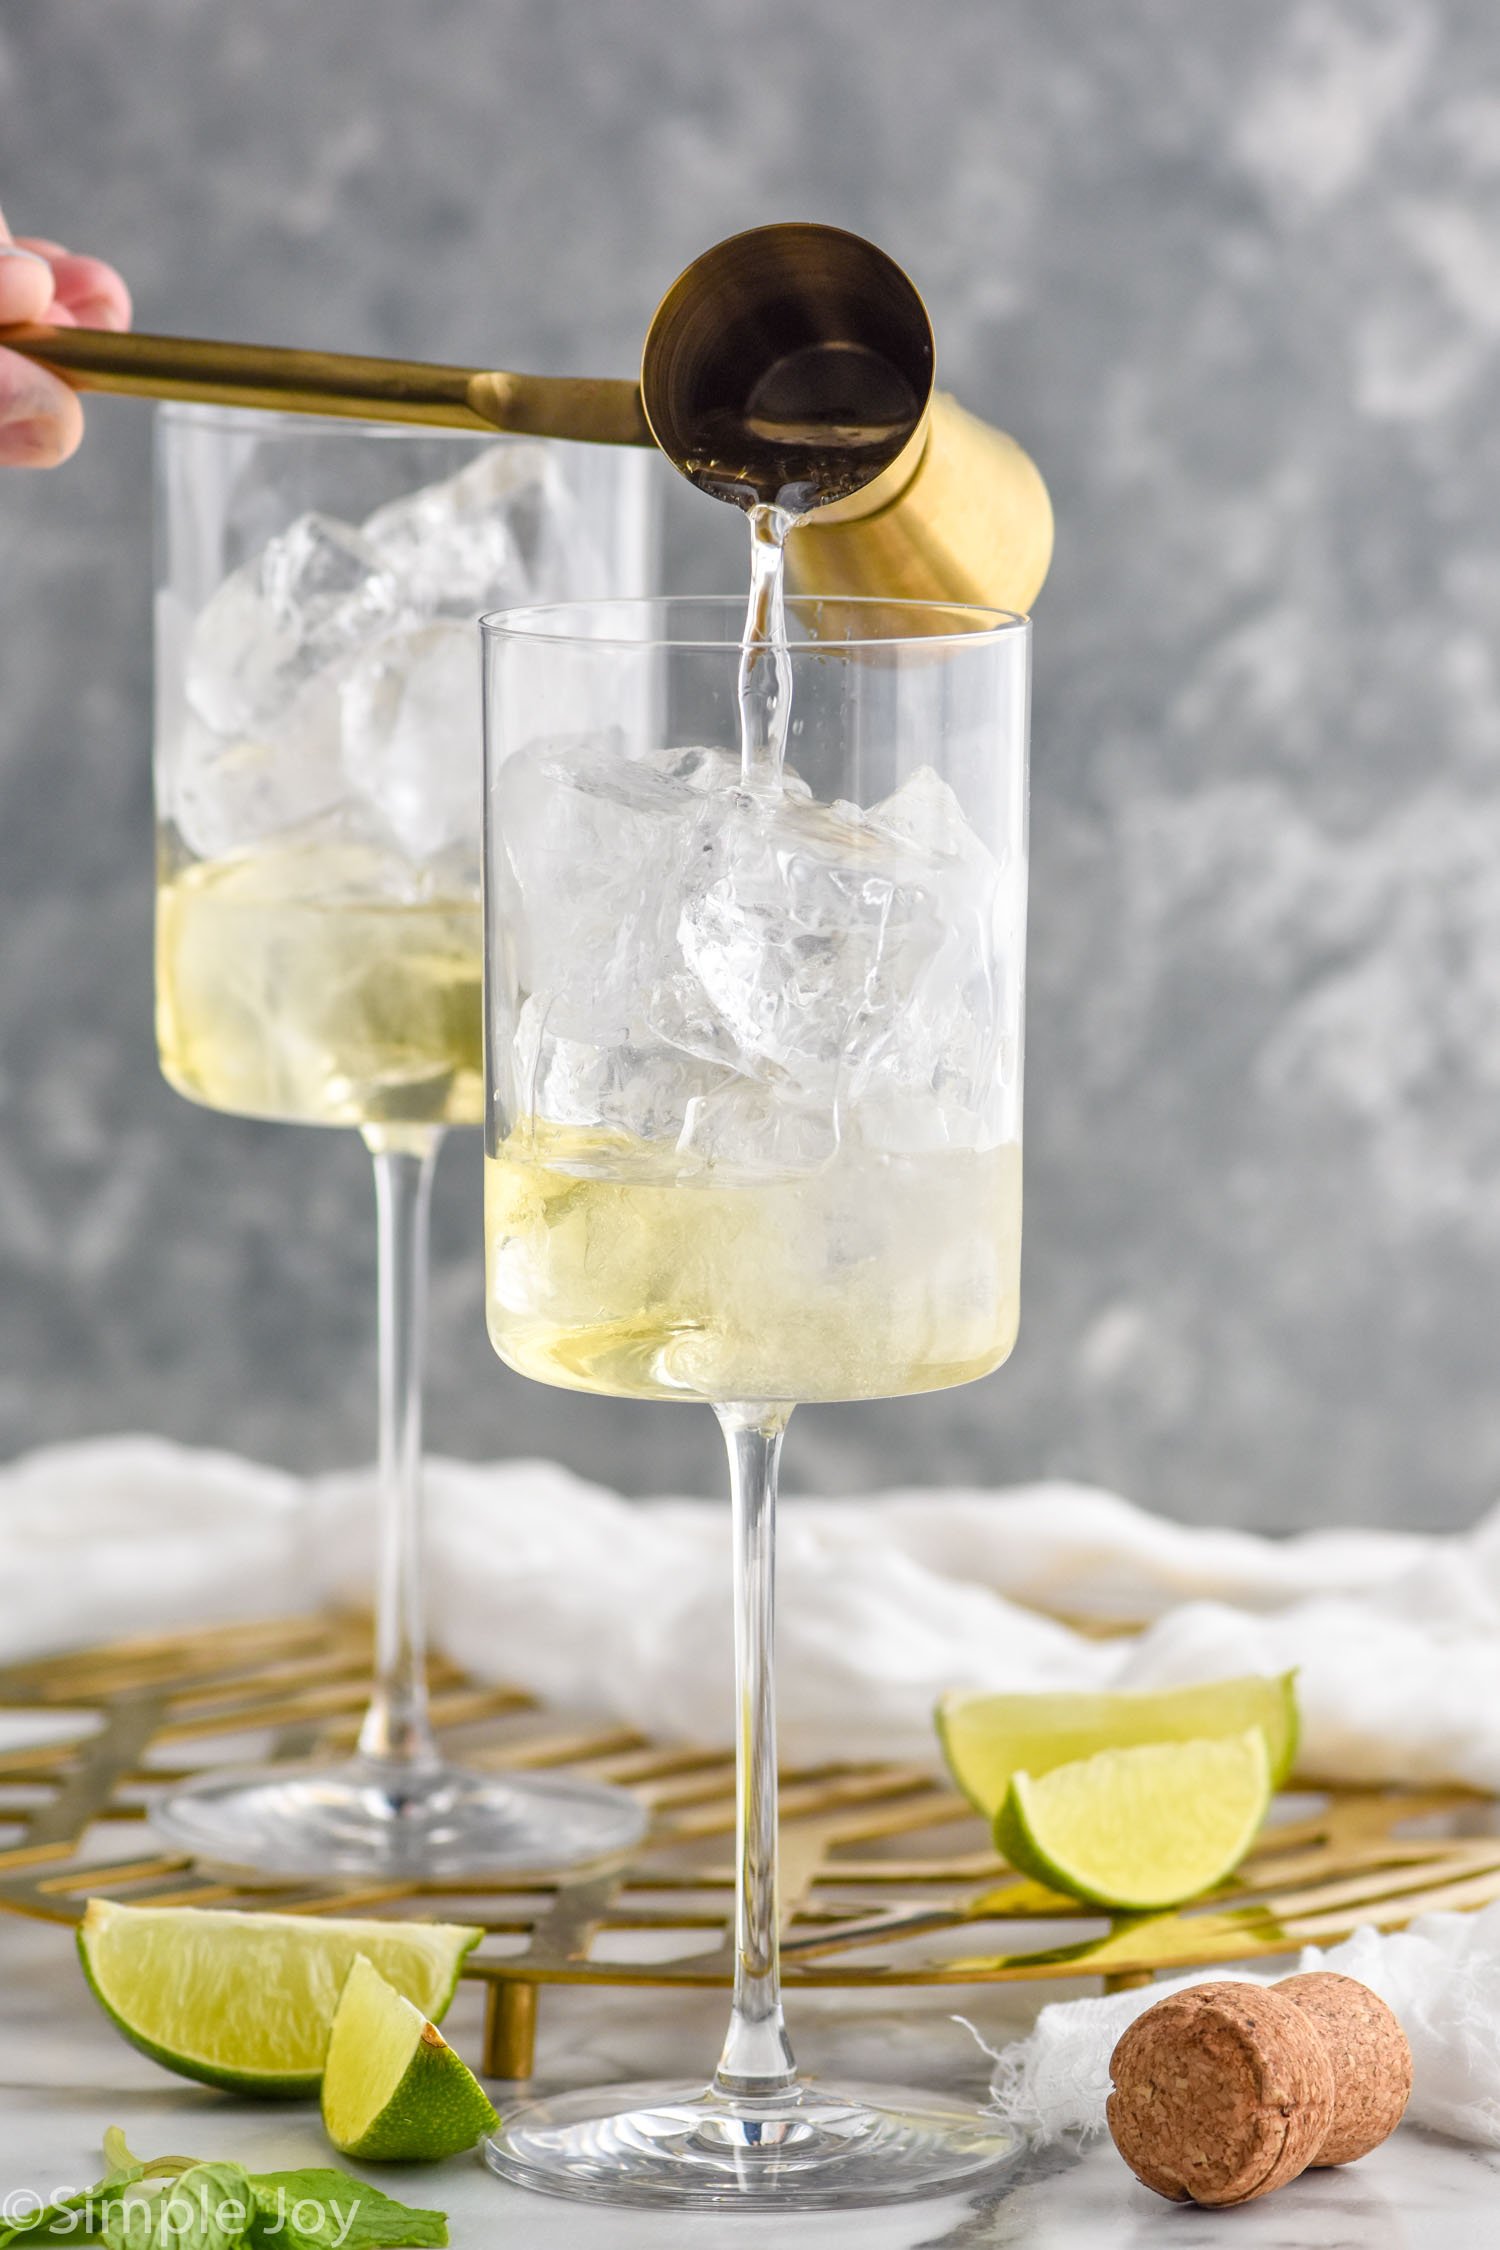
point(207, 2207)
point(174, 2203)
point(324, 2209)
point(66, 2218)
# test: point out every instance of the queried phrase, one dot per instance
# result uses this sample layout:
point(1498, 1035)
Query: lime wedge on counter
point(987, 1738)
point(394, 2092)
point(1139, 1829)
point(247, 2000)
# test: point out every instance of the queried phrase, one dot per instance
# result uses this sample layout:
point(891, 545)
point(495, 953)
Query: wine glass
point(318, 958)
point(753, 1138)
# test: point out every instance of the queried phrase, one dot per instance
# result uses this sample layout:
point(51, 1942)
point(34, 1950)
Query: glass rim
point(528, 623)
point(206, 413)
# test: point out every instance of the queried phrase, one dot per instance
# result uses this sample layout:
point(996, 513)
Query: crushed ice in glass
point(755, 980)
point(336, 674)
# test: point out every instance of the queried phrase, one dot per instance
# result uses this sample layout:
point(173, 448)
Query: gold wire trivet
point(887, 1876)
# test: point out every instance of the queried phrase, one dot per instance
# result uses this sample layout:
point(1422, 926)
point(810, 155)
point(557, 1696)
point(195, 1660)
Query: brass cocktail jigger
point(791, 363)
point(797, 361)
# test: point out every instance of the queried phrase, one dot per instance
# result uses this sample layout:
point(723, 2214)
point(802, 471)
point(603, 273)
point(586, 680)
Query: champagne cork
point(1220, 2094)
point(1226, 2091)
point(1370, 2057)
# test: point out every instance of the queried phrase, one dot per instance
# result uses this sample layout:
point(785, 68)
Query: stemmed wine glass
point(753, 1137)
point(318, 958)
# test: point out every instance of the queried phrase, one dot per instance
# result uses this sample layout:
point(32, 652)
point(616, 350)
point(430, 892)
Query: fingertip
point(41, 420)
point(26, 285)
point(92, 291)
point(42, 444)
point(63, 434)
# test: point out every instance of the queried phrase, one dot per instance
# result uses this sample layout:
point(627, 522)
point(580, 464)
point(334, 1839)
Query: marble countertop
point(65, 2076)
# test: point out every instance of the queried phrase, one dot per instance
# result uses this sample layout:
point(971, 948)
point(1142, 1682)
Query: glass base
point(814, 2148)
point(371, 1818)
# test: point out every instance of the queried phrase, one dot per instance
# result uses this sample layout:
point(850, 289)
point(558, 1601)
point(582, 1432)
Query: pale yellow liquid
point(288, 987)
point(612, 1267)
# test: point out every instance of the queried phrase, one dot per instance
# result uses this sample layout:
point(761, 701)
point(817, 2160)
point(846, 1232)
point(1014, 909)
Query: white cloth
point(1440, 1978)
point(622, 1606)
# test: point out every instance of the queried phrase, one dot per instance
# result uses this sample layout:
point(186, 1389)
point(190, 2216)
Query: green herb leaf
point(207, 2207)
point(175, 2203)
point(66, 2218)
point(324, 2209)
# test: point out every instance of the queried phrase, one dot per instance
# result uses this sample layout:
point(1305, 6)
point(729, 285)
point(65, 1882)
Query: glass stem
point(757, 2059)
point(396, 1730)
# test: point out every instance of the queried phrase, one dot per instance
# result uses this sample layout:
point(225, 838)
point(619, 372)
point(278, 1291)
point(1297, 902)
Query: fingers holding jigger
point(41, 420)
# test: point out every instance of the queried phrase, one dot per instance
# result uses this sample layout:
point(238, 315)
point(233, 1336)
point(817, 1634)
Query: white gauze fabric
point(622, 1607)
point(1440, 1978)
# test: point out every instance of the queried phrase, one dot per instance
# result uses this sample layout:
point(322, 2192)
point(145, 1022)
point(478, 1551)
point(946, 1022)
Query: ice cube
point(314, 596)
point(505, 529)
point(229, 791)
point(808, 933)
point(679, 1011)
point(592, 845)
point(707, 771)
point(412, 741)
point(622, 1081)
point(925, 811)
point(749, 1128)
point(946, 1078)
point(763, 980)
point(850, 959)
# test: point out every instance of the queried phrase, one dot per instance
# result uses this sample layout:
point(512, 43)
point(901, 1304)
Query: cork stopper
point(1370, 2057)
point(1220, 2094)
point(1226, 2091)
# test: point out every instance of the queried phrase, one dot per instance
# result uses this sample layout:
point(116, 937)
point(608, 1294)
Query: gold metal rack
point(888, 1878)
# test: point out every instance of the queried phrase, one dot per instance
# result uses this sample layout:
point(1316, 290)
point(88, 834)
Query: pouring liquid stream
point(818, 425)
point(765, 677)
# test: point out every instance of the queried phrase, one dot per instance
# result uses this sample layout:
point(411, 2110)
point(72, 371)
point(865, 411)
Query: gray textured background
point(1233, 274)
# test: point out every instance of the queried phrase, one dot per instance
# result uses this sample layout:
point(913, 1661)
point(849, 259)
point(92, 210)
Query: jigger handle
point(604, 411)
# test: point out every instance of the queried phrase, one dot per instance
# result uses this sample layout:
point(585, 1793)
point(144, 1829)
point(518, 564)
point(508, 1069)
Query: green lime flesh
point(1140, 1829)
point(246, 2001)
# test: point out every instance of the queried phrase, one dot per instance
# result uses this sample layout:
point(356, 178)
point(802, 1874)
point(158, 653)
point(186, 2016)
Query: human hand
point(41, 421)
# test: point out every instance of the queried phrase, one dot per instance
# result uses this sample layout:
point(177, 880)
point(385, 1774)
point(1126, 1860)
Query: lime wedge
point(987, 1738)
point(394, 2092)
point(1142, 1828)
point(246, 2000)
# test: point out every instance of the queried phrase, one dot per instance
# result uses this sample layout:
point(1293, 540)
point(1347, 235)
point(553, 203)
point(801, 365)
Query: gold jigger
point(793, 358)
point(792, 366)
point(794, 351)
